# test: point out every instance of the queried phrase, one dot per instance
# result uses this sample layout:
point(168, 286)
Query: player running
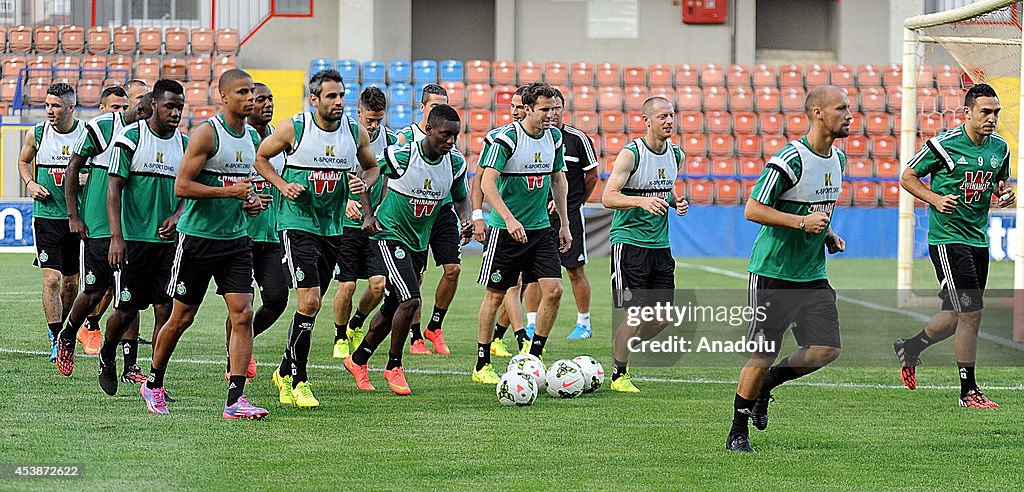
point(520, 169)
point(323, 147)
point(963, 164)
point(422, 175)
point(641, 189)
point(793, 200)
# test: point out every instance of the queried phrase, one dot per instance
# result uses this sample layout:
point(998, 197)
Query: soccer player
point(356, 259)
point(964, 163)
point(444, 241)
point(421, 175)
point(520, 168)
point(582, 176)
point(87, 218)
point(142, 213)
point(323, 147)
point(262, 229)
point(793, 200)
point(49, 145)
point(215, 180)
point(640, 190)
point(510, 311)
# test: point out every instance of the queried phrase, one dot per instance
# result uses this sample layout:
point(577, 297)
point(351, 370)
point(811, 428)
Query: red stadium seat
point(689, 98)
point(584, 98)
point(477, 71)
point(869, 76)
point(748, 146)
point(728, 191)
point(530, 72)
point(797, 123)
point(764, 76)
point(478, 96)
point(613, 143)
point(857, 125)
point(886, 147)
point(860, 168)
point(456, 94)
point(635, 122)
point(768, 99)
point(695, 145)
point(770, 123)
point(697, 165)
point(634, 76)
point(887, 168)
point(689, 122)
point(479, 120)
point(791, 76)
point(892, 75)
point(719, 122)
point(635, 96)
point(737, 75)
point(609, 99)
point(751, 166)
point(744, 122)
point(687, 75)
point(502, 118)
point(723, 166)
point(856, 146)
point(741, 98)
point(700, 191)
point(585, 121)
point(716, 98)
point(846, 194)
point(929, 124)
point(927, 100)
point(893, 99)
point(581, 74)
point(793, 99)
point(612, 121)
point(712, 75)
point(721, 145)
point(948, 77)
point(890, 194)
point(865, 194)
point(556, 73)
point(475, 142)
point(503, 73)
point(503, 96)
point(659, 75)
point(878, 124)
point(771, 144)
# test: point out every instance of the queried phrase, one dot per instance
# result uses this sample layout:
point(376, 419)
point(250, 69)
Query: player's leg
point(117, 324)
point(940, 327)
point(309, 262)
point(531, 301)
point(351, 258)
point(545, 266)
point(342, 311)
point(272, 284)
point(969, 267)
point(97, 285)
point(443, 296)
point(483, 372)
point(70, 268)
point(371, 297)
point(411, 269)
point(574, 261)
point(241, 313)
point(132, 373)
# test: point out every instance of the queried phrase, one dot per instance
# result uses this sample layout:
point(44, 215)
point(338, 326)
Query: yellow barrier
point(288, 89)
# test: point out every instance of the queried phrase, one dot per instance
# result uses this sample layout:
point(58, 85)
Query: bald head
point(821, 96)
point(828, 109)
point(654, 104)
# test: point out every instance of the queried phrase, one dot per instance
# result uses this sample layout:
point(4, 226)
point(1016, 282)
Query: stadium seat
point(767, 98)
point(606, 164)
point(927, 100)
point(373, 71)
point(503, 73)
point(348, 69)
point(887, 168)
point(925, 76)
point(612, 143)
point(584, 98)
point(842, 75)
point(202, 41)
point(197, 93)
point(478, 120)
point(607, 74)
point(770, 123)
point(929, 124)
point(228, 41)
point(845, 194)
point(3, 40)
point(712, 75)
point(728, 192)
point(612, 121)
point(947, 77)
point(892, 75)
point(98, 40)
point(718, 122)
point(857, 125)
point(952, 119)
point(770, 144)
point(635, 96)
point(88, 93)
point(478, 96)
point(686, 75)
point(502, 96)
point(723, 166)
point(223, 64)
point(399, 72)
point(199, 68)
point(741, 98)
point(174, 68)
point(815, 75)
point(39, 62)
point(750, 166)
point(529, 72)
point(893, 99)
point(316, 65)
point(125, 40)
point(456, 94)
point(792, 99)
point(400, 95)
point(94, 68)
point(450, 71)
point(556, 73)
point(595, 197)
point(886, 147)
point(634, 76)
point(878, 124)
point(716, 98)
point(737, 75)
point(478, 72)
point(699, 191)
point(8, 87)
point(695, 145)
point(426, 72)
point(581, 73)
point(868, 76)
point(688, 122)
point(11, 65)
point(872, 100)
point(856, 146)
point(151, 40)
point(663, 91)
point(609, 99)
point(46, 39)
point(764, 76)
point(176, 41)
point(865, 194)
point(697, 165)
point(659, 75)
point(19, 39)
point(890, 194)
point(203, 112)
point(748, 146)
point(399, 117)
point(585, 121)
point(36, 88)
point(689, 98)
point(744, 122)
point(797, 123)
point(121, 63)
point(791, 76)
point(860, 168)
point(951, 99)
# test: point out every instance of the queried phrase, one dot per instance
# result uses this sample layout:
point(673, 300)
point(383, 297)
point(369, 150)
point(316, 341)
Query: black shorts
point(446, 238)
point(358, 257)
point(144, 277)
point(310, 259)
point(577, 254)
point(809, 307)
point(96, 266)
point(56, 247)
point(197, 260)
point(962, 272)
point(268, 272)
point(642, 276)
point(404, 269)
point(505, 258)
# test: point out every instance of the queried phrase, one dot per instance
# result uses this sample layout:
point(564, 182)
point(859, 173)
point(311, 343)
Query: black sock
point(357, 319)
point(340, 332)
point(499, 331)
point(483, 355)
point(298, 343)
point(361, 354)
point(69, 331)
point(436, 319)
point(156, 378)
point(778, 374)
point(537, 346)
point(394, 360)
point(286, 365)
point(108, 351)
point(967, 383)
point(130, 349)
point(94, 322)
point(55, 328)
point(236, 386)
point(414, 333)
point(741, 415)
point(914, 346)
point(521, 338)
point(619, 369)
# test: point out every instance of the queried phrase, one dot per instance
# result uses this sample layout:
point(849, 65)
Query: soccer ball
point(565, 379)
point(530, 365)
point(516, 389)
point(593, 373)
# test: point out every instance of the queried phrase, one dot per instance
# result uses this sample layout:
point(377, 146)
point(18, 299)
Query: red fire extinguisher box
point(705, 11)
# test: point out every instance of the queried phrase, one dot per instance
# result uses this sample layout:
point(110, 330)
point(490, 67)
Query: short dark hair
point(432, 89)
point(978, 90)
point(114, 90)
point(260, 84)
point(519, 90)
point(166, 85)
point(316, 82)
point(373, 99)
point(230, 76)
point(537, 90)
point(559, 95)
point(443, 113)
point(64, 91)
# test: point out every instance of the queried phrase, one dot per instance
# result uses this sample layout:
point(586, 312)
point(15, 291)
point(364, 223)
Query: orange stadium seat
point(951, 99)
point(478, 96)
point(478, 72)
point(695, 145)
point(750, 166)
point(612, 121)
point(3, 38)
point(502, 95)
point(176, 41)
point(39, 62)
point(456, 94)
point(741, 98)
point(698, 165)
point(878, 123)
point(36, 88)
point(125, 40)
point(770, 144)
point(764, 76)
point(147, 68)
point(845, 194)
point(67, 67)
point(791, 76)
point(585, 121)
point(503, 72)
point(797, 123)
point(929, 124)
point(872, 100)
point(19, 39)
point(744, 122)
point(502, 118)
point(663, 91)
point(228, 41)
point(556, 73)
point(635, 96)
point(728, 191)
point(197, 93)
point(737, 75)
point(925, 76)
point(198, 68)
point(952, 119)
point(98, 40)
point(581, 73)
point(223, 64)
point(927, 100)
point(712, 75)
point(634, 76)
point(893, 99)
point(88, 93)
point(8, 86)
point(890, 194)
point(608, 74)
point(856, 146)
point(91, 66)
point(202, 41)
point(947, 77)
point(770, 123)
point(816, 75)
point(584, 98)
point(47, 38)
point(479, 120)
point(887, 168)
point(72, 39)
point(690, 122)
point(749, 146)
point(203, 112)
point(529, 72)
point(857, 125)
point(718, 122)
point(843, 78)
point(613, 143)
point(886, 147)
point(609, 99)
point(659, 75)
point(793, 99)
point(723, 166)
point(865, 194)
point(595, 197)
point(689, 98)
point(151, 40)
point(686, 75)
point(174, 68)
point(699, 191)
point(474, 142)
point(606, 163)
point(716, 98)
point(869, 76)
point(892, 75)
point(767, 98)
point(860, 168)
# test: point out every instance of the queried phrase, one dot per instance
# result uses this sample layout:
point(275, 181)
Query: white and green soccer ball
point(532, 366)
point(593, 373)
point(565, 379)
point(516, 389)
point(517, 360)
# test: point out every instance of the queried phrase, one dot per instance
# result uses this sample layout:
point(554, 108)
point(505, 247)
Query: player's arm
point(489, 184)
point(201, 145)
point(772, 183)
point(118, 177)
point(282, 139)
point(71, 188)
point(1007, 198)
point(476, 196)
point(461, 201)
point(26, 170)
point(371, 171)
point(923, 163)
point(592, 175)
point(560, 190)
point(613, 197)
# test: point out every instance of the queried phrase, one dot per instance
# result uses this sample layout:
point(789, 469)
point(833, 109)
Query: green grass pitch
point(850, 426)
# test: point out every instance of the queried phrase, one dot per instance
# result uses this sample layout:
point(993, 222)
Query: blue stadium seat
point(319, 64)
point(352, 91)
point(399, 72)
point(417, 93)
point(351, 111)
point(399, 95)
point(417, 115)
point(349, 70)
point(424, 71)
point(381, 85)
point(374, 71)
point(399, 117)
point(451, 70)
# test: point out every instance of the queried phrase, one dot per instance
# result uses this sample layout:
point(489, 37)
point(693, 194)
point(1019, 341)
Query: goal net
point(943, 55)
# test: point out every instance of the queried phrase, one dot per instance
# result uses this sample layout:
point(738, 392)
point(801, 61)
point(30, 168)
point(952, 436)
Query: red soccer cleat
point(419, 348)
point(361, 373)
point(976, 399)
point(396, 381)
point(436, 337)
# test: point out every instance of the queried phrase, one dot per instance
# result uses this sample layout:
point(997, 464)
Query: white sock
point(583, 319)
point(531, 318)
